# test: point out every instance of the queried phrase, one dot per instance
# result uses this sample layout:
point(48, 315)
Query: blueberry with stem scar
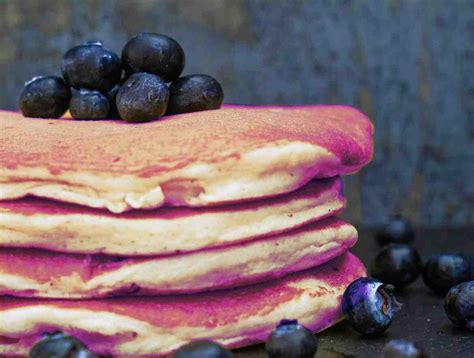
point(369, 305)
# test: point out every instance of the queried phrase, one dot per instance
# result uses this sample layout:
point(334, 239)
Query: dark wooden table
point(421, 319)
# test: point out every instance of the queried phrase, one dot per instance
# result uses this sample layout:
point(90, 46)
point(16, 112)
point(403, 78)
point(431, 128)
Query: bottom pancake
point(39, 273)
point(137, 326)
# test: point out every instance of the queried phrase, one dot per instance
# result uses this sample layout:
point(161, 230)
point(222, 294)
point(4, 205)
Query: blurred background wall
point(409, 64)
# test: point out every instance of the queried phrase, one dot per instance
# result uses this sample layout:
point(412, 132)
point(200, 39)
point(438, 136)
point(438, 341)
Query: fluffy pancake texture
point(232, 154)
point(158, 325)
point(39, 223)
point(38, 273)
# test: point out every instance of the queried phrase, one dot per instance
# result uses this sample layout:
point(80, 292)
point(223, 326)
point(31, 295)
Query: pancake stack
point(138, 238)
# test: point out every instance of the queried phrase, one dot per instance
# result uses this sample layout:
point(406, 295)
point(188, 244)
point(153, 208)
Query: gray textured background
point(407, 64)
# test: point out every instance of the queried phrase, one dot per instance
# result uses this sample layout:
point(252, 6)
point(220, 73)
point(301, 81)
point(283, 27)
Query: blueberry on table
point(459, 305)
point(441, 272)
point(45, 97)
point(153, 53)
point(291, 340)
point(397, 230)
point(91, 66)
point(195, 93)
point(401, 348)
point(202, 349)
point(397, 264)
point(369, 305)
point(142, 98)
point(86, 104)
point(60, 345)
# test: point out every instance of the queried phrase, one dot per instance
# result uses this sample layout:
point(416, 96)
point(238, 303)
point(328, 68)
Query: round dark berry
point(59, 345)
point(86, 104)
point(401, 348)
point(441, 272)
point(153, 53)
point(45, 97)
point(142, 98)
point(369, 305)
point(397, 264)
point(291, 340)
point(459, 305)
point(91, 66)
point(397, 230)
point(195, 93)
point(202, 349)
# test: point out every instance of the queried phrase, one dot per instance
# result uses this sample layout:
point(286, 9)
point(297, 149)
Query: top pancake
point(232, 154)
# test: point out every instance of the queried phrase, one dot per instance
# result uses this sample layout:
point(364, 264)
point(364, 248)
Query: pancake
point(54, 226)
point(196, 159)
point(158, 325)
point(38, 273)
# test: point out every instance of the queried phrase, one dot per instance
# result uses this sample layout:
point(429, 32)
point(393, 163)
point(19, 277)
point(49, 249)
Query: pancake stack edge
point(220, 245)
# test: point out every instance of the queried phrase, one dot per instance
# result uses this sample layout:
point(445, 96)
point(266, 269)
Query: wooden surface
point(422, 318)
point(407, 63)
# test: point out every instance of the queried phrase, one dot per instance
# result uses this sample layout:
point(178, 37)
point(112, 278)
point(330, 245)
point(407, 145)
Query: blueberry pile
point(369, 304)
point(141, 85)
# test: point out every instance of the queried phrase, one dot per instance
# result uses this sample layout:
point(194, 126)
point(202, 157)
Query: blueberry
point(369, 305)
point(45, 97)
point(59, 345)
point(397, 264)
point(142, 97)
point(401, 348)
point(398, 230)
point(459, 305)
point(91, 66)
point(291, 340)
point(195, 93)
point(86, 104)
point(153, 53)
point(202, 349)
point(441, 272)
